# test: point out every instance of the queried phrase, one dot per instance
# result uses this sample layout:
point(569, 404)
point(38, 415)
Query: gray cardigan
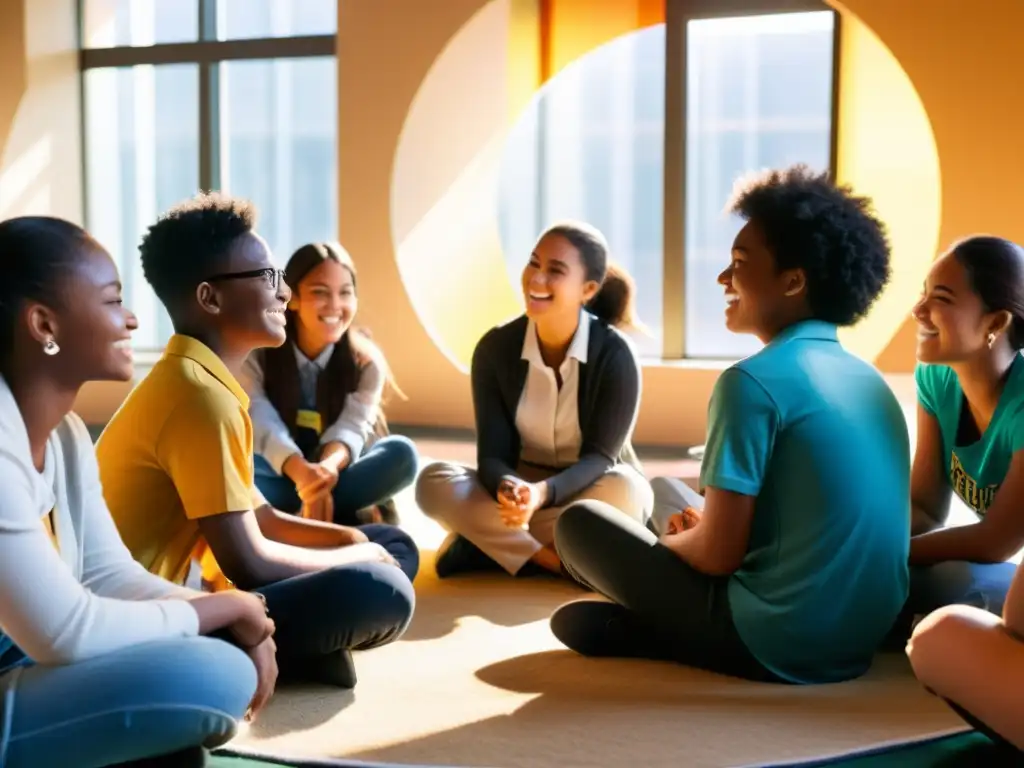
point(609, 398)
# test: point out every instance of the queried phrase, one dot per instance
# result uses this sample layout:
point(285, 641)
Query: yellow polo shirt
point(178, 449)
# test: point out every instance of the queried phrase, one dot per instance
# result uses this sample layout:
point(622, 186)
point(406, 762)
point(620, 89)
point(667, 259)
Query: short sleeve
point(1017, 429)
point(206, 449)
point(933, 383)
point(743, 422)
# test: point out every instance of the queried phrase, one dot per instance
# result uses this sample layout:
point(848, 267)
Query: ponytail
point(615, 300)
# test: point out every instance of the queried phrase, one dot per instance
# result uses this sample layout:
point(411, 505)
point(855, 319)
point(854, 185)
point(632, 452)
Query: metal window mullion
point(209, 126)
point(837, 21)
point(305, 46)
point(674, 196)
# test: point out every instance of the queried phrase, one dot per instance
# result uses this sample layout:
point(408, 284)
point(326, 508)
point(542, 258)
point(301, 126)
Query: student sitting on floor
point(970, 427)
point(556, 393)
point(315, 402)
point(176, 460)
point(975, 661)
point(793, 566)
point(100, 661)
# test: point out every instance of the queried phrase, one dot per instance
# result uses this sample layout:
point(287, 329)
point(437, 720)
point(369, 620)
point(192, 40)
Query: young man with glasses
point(176, 460)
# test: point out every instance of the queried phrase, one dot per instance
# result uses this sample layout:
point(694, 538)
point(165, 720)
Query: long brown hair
point(340, 377)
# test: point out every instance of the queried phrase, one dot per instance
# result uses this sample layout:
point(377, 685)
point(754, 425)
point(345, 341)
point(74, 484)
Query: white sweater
point(91, 597)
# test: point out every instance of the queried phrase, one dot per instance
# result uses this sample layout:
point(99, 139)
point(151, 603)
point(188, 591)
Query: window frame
point(208, 53)
point(678, 14)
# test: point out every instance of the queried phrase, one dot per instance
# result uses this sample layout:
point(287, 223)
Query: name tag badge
point(309, 420)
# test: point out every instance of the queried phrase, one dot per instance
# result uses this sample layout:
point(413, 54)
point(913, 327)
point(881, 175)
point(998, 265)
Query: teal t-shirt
point(975, 471)
point(819, 438)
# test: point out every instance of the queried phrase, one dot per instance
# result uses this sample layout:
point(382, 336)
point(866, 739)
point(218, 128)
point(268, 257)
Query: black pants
point(663, 609)
point(350, 607)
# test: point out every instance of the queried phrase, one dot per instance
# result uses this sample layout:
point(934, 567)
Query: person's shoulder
point(612, 342)
point(504, 336)
point(935, 382)
point(743, 381)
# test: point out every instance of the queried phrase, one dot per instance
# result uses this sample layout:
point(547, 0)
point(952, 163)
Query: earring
point(50, 347)
point(991, 340)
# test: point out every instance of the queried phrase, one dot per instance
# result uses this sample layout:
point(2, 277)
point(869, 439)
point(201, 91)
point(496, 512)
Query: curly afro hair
point(810, 223)
point(190, 243)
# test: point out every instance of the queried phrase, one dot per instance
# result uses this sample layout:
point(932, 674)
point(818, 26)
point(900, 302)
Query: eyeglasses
point(272, 275)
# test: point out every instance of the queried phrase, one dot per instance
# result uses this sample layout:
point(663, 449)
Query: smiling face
point(555, 284)
point(758, 296)
point(250, 310)
point(90, 323)
point(952, 321)
point(325, 304)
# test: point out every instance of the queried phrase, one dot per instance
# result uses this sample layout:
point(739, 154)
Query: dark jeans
point(980, 585)
point(664, 609)
point(399, 545)
point(376, 476)
point(349, 607)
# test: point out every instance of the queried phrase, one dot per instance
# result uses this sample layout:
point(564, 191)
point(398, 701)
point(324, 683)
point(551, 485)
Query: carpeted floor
point(480, 681)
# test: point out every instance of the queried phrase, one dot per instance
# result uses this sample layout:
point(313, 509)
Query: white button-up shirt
point(547, 417)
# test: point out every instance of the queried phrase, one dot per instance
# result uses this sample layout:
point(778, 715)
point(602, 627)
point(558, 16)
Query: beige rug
point(480, 681)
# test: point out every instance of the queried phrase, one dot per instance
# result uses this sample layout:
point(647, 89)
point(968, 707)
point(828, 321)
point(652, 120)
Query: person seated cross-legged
point(556, 393)
point(793, 564)
point(176, 460)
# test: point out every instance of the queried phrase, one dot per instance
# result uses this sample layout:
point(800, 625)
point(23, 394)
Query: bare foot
point(547, 558)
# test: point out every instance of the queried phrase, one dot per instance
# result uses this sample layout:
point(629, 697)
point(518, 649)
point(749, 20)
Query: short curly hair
point(190, 242)
point(813, 224)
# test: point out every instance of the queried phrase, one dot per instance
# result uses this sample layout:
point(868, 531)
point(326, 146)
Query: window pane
point(591, 147)
point(243, 19)
point(114, 23)
point(278, 137)
point(141, 157)
point(759, 95)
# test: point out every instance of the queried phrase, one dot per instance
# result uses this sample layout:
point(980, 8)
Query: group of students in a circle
point(234, 525)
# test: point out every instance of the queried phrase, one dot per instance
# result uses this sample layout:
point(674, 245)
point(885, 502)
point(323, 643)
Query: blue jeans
point(376, 476)
point(152, 699)
point(956, 582)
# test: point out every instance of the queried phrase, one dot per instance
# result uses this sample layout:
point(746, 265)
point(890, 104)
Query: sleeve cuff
point(734, 484)
point(181, 617)
point(352, 439)
point(278, 452)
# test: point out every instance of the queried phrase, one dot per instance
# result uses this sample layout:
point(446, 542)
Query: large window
point(184, 95)
point(645, 137)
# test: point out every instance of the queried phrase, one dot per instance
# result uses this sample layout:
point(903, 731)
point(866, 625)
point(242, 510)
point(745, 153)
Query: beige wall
point(959, 58)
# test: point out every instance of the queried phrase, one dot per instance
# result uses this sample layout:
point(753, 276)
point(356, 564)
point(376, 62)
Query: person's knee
point(404, 458)
point(627, 491)
point(578, 522)
point(398, 543)
point(201, 672)
point(432, 485)
point(940, 638)
point(384, 592)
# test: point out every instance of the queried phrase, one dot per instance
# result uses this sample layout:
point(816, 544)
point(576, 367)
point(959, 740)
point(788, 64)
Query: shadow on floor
point(498, 598)
point(655, 714)
point(304, 707)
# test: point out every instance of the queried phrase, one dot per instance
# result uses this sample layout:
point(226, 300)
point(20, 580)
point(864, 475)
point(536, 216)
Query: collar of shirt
point(807, 329)
point(577, 348)
point(14, 434)
point(320, 361)
point(194, 350)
